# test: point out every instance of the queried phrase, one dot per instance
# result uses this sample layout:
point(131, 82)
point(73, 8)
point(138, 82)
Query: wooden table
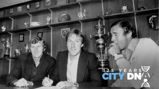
point(5, 87)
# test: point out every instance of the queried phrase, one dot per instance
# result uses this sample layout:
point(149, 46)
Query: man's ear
point(129, 34)
point(82, 45)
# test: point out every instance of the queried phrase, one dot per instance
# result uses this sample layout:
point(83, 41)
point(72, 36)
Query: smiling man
point(76, 67)
point(30, 69)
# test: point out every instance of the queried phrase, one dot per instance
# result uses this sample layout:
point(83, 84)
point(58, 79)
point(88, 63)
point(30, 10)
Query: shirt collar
point(133, 43)
point(75, 57)
point(127, 53)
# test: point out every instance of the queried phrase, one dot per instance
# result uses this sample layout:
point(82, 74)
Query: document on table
point(52, 87)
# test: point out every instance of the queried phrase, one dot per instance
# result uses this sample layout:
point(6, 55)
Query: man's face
point(119, 38)
point(74, 44)
point(37, 49)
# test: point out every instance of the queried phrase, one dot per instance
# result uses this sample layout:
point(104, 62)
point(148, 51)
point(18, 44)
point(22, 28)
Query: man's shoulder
point(24, 57)
point(147, 45)
point(147, 42)
point(88, 53)
point(146, 39)
point(48, 57)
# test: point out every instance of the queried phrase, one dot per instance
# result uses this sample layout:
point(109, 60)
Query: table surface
point(5, 87)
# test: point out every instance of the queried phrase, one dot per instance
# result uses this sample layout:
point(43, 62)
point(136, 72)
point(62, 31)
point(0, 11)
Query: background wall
point(4, 3)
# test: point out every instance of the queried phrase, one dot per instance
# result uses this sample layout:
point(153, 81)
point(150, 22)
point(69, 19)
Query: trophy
point(47, 2)
point(26, 25)
point(37, 4)
point(153, 21)
point(64, 32)
point(108, 11)
point(3, 28)
point(64, 17)
point(19, 9)
point(82, 14)
point(28, 6)
point(124, 9)
point(7, 49)
point(17, 52)
point(26, 48)
point(141, 5)
point(48, 19)
point(101, 39)
point(11, 11)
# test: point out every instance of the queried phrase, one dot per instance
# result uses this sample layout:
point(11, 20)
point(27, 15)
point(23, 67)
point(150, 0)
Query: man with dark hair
point(127, 27)
point(76, 67)
point(30, 69)
point(131, 52)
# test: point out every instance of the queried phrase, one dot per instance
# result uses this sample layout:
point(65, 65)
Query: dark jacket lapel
point(81, 67)
point(64, 66)
point(43, 62)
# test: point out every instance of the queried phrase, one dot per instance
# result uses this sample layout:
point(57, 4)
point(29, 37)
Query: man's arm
point(15, 73)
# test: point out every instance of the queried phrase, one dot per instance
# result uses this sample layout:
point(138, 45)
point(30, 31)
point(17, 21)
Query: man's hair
point(76, 32)
point(127, 26)
point(36, 40)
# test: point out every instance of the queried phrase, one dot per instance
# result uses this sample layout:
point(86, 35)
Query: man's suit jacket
point(87, 72)
point(25, 68)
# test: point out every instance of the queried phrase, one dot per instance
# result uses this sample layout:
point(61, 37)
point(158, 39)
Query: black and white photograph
point(79, 44)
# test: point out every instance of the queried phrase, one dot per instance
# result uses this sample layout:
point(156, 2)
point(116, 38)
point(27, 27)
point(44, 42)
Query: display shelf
point(119, 15)
point(147, 11)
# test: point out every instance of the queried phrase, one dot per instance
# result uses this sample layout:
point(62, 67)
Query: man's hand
point(47, 82)
point(114, 49)
point(64, 84)
point(21, 83)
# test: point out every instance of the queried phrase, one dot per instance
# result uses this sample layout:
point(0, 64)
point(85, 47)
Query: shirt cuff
point(118, 56)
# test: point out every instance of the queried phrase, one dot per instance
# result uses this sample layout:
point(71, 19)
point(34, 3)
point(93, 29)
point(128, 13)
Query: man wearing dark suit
point(76, 67)
point(87, 73)
point(30, 69)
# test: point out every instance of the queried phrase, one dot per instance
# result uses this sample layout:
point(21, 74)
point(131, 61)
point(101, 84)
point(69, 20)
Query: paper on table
point(52, 87)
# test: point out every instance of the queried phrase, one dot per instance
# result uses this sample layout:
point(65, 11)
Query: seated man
point(76, 67)
point(131, 52)
point(30, 69)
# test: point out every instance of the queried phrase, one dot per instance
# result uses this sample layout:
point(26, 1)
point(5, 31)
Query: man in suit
point(30, 69)
point(76, 67)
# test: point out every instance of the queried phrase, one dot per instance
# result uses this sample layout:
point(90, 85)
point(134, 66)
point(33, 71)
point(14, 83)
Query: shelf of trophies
point(6, 25)
point(4, 44)
point(19, 40)
point(117, 7)
point(82, 13)
point(42, 14)
point(38, 6)
point(64, 18)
